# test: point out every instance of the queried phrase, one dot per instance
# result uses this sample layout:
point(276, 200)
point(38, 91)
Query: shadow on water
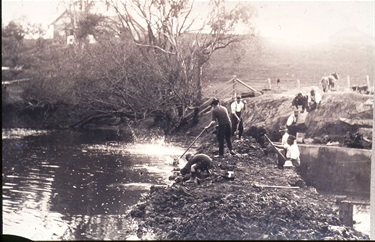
point(76, 185)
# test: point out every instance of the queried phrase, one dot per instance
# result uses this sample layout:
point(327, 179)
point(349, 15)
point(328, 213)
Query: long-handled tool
point(237, 127)
point(275, 148)
point(176, 161)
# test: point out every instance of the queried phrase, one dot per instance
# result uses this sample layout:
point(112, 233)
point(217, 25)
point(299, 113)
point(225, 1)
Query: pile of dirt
point(244, 208)
point(341, 115)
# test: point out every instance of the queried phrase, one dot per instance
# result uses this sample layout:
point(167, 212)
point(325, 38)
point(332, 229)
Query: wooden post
point(234, 86)
point(348, 79)
point(298, 84)
point(368, 82)
point(269, 83)
point(346, 213)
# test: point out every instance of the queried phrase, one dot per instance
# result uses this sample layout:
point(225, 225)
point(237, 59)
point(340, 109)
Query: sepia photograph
point(188, 120)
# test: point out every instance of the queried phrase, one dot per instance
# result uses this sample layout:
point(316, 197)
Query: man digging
point(196, 163)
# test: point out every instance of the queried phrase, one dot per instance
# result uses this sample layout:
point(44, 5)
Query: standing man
point(291, 123)
point(237, 108)
point(224, 131)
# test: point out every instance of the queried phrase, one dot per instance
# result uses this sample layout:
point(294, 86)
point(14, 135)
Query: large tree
point(12, 36)
point(185, 40)
point(148, 59)
point(177, 38)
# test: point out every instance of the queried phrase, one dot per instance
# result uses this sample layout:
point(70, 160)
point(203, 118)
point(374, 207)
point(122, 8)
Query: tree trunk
point(199, 84)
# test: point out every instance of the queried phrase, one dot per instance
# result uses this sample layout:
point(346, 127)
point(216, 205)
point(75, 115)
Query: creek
point(78, 185)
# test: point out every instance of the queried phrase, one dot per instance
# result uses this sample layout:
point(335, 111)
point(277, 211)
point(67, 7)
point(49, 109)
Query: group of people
point(227, 124)
point(289, 146)
point(308, 102)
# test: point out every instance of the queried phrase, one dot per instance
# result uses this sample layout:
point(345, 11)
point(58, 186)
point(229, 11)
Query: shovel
point(177, 161)
point(237, 131)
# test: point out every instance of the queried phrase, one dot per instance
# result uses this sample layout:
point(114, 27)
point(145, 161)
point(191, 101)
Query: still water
point(77, 185)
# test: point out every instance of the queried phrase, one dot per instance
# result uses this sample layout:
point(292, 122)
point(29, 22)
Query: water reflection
point(67, 185)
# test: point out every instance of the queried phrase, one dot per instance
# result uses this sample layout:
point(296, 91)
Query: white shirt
point(292, 119)
point(284, 138)
point(318, 97)
point(237, 107)
point(292, 151)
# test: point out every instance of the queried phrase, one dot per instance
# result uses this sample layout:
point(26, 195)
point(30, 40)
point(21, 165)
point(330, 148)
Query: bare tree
point(183, 44)
point(148, 59)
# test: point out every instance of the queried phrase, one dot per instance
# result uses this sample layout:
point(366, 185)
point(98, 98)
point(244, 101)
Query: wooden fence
point(240, 86)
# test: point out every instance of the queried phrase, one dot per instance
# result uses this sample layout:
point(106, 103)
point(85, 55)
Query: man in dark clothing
point(300, 100)
point(224, 131)
point(198, 162)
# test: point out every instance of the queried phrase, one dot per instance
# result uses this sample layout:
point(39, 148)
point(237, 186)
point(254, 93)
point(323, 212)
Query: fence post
point(269, 83)
point(368, 81)
point(298, 84)
point(234, 86)
point(348, 79)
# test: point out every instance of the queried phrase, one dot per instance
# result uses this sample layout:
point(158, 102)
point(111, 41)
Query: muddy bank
point(243, 208)
point(343, 119)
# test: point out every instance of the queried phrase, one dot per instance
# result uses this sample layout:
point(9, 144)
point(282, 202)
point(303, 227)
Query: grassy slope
point(270, 59)
point(272, 109)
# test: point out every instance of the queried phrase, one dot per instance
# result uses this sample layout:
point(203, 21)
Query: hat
point(238, 97)
point(215, 101)
point(283, 128)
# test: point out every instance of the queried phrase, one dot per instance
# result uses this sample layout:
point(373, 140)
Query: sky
point(283, 20)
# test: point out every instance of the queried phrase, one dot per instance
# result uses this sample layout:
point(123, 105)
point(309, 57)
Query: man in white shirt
point(282, 147)
point(237, 109)
point(314, 99)
point(291, 123)
point(292, 151)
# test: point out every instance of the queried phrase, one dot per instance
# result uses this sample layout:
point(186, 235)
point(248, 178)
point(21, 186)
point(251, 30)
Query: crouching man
point(196, 163)
point(289, 148)
point(292, 151)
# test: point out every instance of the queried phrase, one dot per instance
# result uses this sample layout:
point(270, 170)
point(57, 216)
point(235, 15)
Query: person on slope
point(314, 100)
point(300, 100)
point(291, 123)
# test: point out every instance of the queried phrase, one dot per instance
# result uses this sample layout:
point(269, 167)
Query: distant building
point(65, 25)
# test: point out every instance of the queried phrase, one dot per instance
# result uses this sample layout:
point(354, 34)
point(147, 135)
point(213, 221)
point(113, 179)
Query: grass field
point(270, 59)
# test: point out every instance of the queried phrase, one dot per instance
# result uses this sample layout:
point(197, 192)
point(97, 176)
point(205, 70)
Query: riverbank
point(250, 207)
point(245, 208)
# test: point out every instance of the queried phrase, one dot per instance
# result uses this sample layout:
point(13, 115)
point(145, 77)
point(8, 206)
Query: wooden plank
point(247, 86)
point(14, 81)
point(270, 186)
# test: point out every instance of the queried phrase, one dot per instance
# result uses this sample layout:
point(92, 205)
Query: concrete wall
point(339, 170)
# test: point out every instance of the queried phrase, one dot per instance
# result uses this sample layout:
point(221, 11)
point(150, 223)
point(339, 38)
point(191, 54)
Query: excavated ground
point(241, 209)
point(244, 208)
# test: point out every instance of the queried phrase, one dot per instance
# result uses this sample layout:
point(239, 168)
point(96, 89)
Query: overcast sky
point(284, 20)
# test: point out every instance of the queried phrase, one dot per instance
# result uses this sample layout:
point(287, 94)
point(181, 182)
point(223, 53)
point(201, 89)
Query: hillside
point(267, 58)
